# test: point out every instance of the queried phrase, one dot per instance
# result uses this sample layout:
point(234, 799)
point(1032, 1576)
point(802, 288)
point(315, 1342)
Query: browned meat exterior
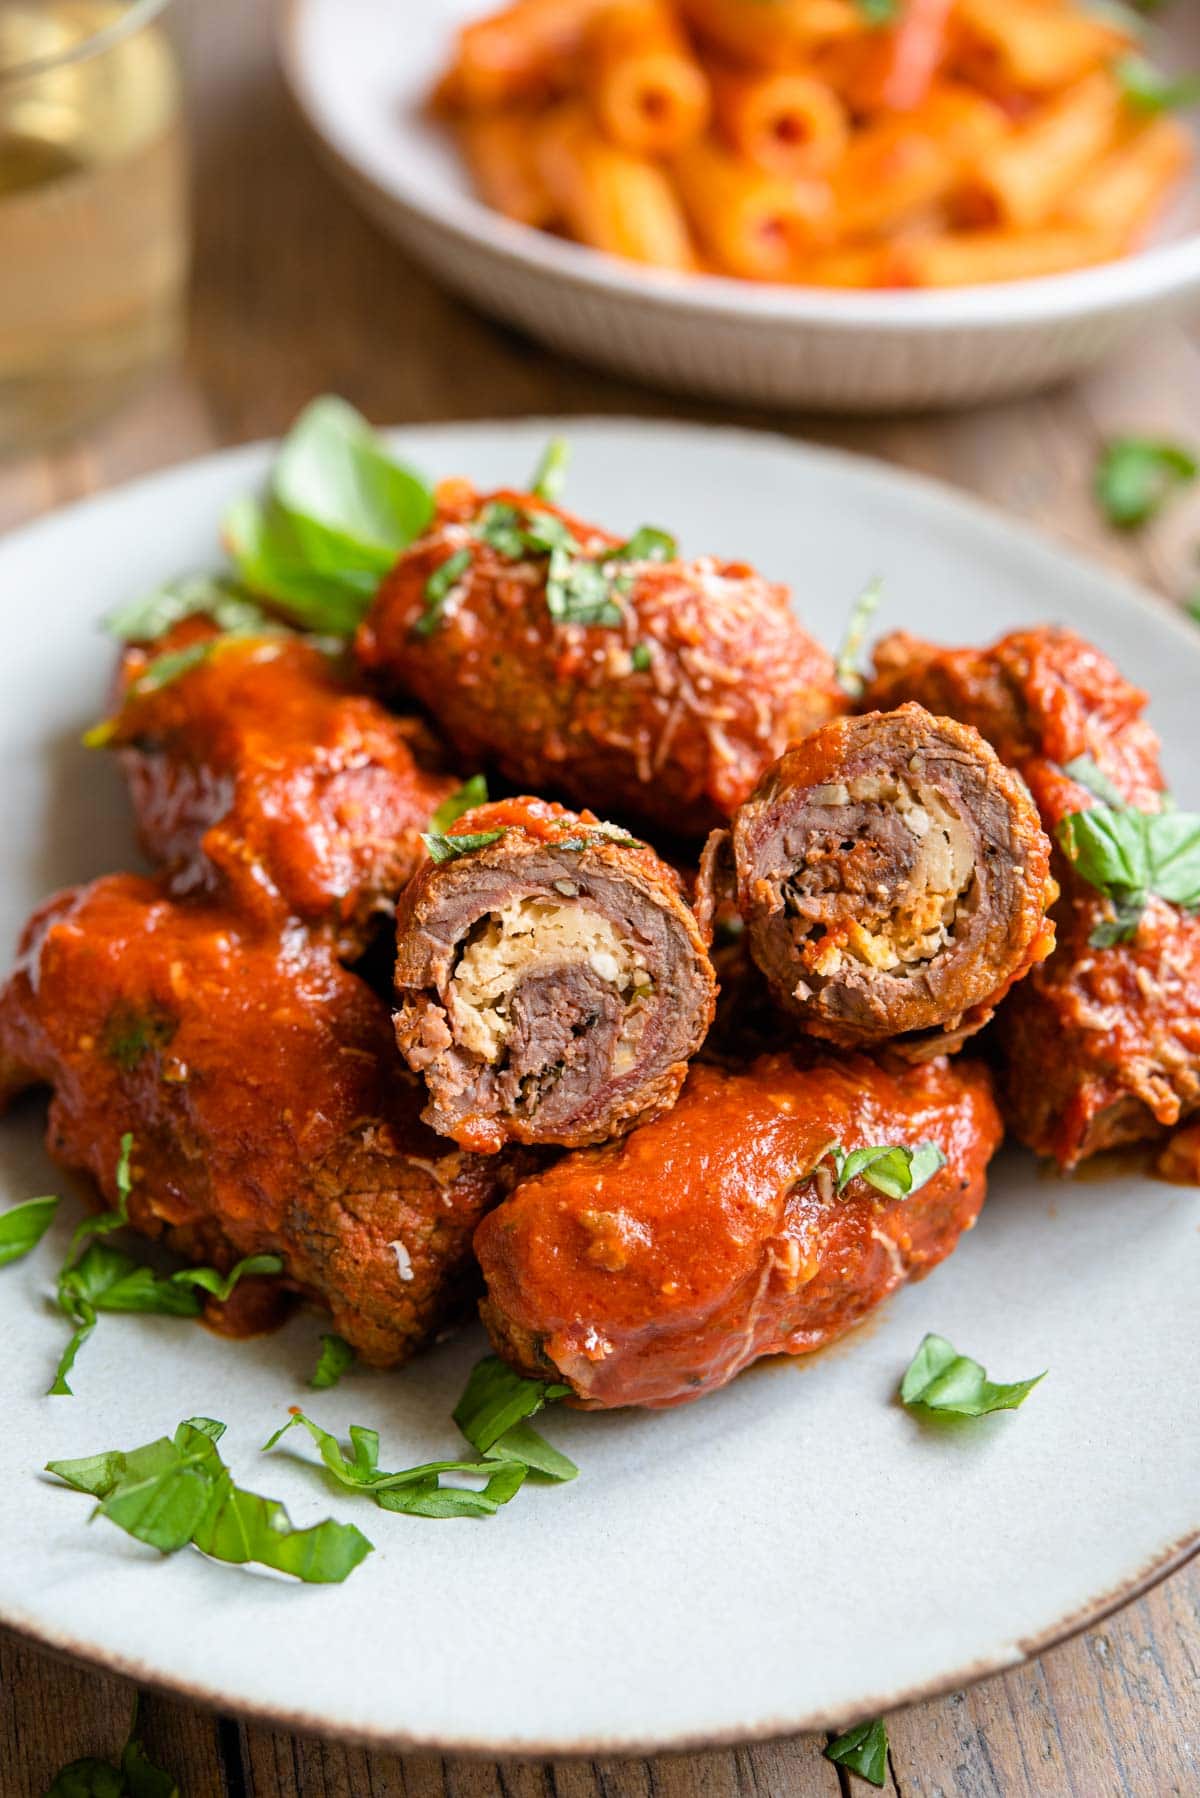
point(1101, 1045)
point(652, 1271)
point(894, 879)
point(259, 775)
point(695, 677)
point(269, 1109)
point(553, 982)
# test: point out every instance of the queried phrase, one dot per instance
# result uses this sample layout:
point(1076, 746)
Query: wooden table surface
point(295, 295)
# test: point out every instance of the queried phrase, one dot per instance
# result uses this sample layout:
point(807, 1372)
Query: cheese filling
point(920, 922)
point(529, 937)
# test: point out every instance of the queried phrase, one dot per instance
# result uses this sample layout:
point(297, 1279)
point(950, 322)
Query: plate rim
point(1150, 277)
point(976, 513)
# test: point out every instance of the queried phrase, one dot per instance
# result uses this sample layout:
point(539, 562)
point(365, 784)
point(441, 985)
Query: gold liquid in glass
point(93, 210)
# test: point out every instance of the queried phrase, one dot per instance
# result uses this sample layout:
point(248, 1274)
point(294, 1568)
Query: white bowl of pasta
point(1069, 219)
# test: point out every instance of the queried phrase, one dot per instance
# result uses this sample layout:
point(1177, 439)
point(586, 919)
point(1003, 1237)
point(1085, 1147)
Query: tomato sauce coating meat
point(1101, 1045)
point(553, 983)
point(260, 775)
point(669, 712)
point(894, 879)
point(269, 1109)
point(651, 1271)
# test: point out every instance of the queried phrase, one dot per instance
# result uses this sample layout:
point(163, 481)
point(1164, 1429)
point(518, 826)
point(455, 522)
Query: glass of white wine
point(93, 209)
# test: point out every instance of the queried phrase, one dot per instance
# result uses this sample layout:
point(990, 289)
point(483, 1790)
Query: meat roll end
point(894, 877)
point(553, 982)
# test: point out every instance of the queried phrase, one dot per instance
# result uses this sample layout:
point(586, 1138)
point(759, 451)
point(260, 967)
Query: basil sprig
point(335, 1359)
point(178, 1493)
point(1128, 854)
point(940, 1379)
point(134, 1775)
point(97, 1277)
point(449, 849)
point(338, 511)
point(864, 1750)
point(894, 1169)
point(23, 1226)
point(473, 792)
point(846, 665)
point(1135, 477)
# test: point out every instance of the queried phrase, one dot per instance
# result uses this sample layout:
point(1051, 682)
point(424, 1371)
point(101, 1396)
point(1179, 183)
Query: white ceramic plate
point(360, 70)
point(794, 1550)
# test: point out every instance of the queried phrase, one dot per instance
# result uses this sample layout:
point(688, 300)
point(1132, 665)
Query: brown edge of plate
point(1170, 1561)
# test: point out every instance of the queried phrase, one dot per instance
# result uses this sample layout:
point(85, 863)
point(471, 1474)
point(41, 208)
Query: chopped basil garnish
point(1147, 90)
point(1087, 773)
point(165, 669)
point(846, 667)
point(639, 655)
point(863, 1750)
point(1128, 854)
point(338, 512)
point(199, 595)
point(496, 1401)
point(499, 526)
point(131, 1032)
point(473, 792)
point(449, 849)
point(940, 1379)
point(98, 1277)
point(579, 591)
point(550, 475)
point(440, 584)
point(23, 1226)
point(1135, 476)
point(893, 1169)
point(133, 1776)
point(177, 1493)
point(417, 1491)
point(335, 1359)
point(648, 544)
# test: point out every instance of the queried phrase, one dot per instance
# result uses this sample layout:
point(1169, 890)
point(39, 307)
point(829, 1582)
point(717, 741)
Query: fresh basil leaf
point(863, 1750)
point(135, 1776)
point(220, 1286)
point(1135, 476)
point(133, 1031)
point(521, 1443)
point(846, 665)
point(473, 792)
point(353, 504)
point(178, 1492)
point(23, 1226)
point(894, 1169)
point(438, 587)
point(640, 657)
point(550, 475)
point(496, 1399)
point(648, 544)
point(449, 849)
point(1085, 772)
point(195, 595)
point(272, 559)
point(940, 1379)
point(1148, 91)
point(1173, 840)
point(335, 1359)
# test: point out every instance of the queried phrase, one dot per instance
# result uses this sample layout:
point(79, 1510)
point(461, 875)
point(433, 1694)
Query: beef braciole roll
point(1101, 1045)
point(609, 672)
point(269, 1110)
point(553, 981)
point(894, 879)
point(258, 772)
point(651, 1271)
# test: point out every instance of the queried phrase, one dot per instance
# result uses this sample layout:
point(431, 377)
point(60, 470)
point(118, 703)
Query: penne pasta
point(609, 198)
point(501, 153)
point(832, 143)
point(646, 88)
point(785, 121)
point(752, 223)
point(1024, 180)
point(1123, 193)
